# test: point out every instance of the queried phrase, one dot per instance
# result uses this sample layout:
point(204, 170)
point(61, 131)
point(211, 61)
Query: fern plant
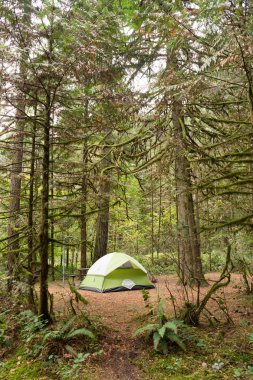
point(61, 340)
point(30, 324)
point(164, 332)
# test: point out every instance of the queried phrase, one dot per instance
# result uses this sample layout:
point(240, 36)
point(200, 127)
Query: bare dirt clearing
point(119, 310)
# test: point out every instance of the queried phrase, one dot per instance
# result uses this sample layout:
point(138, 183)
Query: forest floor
point(220, 351)
point(125, 357)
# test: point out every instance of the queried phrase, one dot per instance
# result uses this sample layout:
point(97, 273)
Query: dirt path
point(120, 313)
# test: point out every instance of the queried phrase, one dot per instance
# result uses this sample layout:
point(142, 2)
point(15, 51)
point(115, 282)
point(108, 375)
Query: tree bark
point(17, 164)
point(44, 234)
point(52, 218)
point(190, 266)
point(15, 195)
point(67, 257)
point(30, 261)
point(102, 226)
point(159, 217)
point(83, 212)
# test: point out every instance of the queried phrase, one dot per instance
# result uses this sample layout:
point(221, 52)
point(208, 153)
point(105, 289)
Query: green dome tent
point(115, 272)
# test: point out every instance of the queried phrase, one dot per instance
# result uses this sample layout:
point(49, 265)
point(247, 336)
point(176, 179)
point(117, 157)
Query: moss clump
point(19, 368)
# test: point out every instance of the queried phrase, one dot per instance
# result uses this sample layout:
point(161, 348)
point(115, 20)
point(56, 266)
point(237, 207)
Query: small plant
point(58, 341)
point(3, 337)
point(30, 324)
point(237, 373)
point(174, 366)
point(217, 365)
point(201, 343)
point(145, 295)
point(250, 370)
point(244, 323)
point(163, 332)
point(146, 299)
point(40, 339)
point(66, 371)
point(250, 337)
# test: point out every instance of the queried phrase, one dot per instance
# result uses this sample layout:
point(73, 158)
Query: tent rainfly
point(115, 272)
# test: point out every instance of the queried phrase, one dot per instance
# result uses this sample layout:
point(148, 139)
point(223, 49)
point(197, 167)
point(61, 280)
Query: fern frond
point(82, 331)
point(150, 327)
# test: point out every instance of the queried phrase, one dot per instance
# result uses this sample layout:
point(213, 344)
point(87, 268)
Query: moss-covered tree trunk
point(30, 242)
point(190, 266)
point(83, 211)
point(17, 154)
point(44, 233)
point(102, 226)
point(15, 194)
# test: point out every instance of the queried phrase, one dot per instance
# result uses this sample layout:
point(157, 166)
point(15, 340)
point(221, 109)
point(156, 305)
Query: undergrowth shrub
point(4, 338)
point(213, 261)
point(68, 337)
point(73, 368)
point(164, 263)
point(71, 335)
point(196, 304)
point(30, 324)
point(164, 333)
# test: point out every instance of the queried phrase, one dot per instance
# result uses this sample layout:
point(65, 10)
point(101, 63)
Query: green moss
point(206, 350)
point(18, 367)
point(22, 372)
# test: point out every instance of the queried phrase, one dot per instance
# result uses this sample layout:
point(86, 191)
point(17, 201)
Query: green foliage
point(164, 333)
point(17, 368)
point(74, 367)
point(201, 343)
point(78, 295)
point(163, 263)
point(250, 337)
point(146, 299)
point(30, 324)
point(213, 260)
point(40, 339)
point(62, 339)
point(4, 339)
point(145, 294)
point(65, 334)
point(204, 357)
